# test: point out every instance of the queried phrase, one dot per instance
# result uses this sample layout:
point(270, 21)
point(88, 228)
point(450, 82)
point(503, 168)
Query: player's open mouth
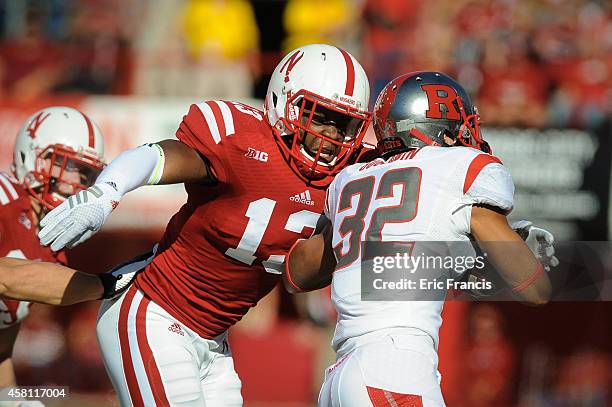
point(327, 156)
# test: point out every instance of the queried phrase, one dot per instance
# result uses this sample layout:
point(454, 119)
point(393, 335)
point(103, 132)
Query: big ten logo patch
point(256, 155)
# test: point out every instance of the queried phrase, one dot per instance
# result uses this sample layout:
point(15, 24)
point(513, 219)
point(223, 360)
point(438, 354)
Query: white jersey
point(420, 195)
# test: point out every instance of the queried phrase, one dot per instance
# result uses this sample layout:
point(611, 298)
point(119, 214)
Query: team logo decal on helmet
point(36, 122)
point(441, 96)
point(291, 62)
point(317, 104)
point(58, 152)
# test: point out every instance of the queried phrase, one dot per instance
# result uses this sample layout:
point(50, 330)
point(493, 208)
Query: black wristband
point(108, 282)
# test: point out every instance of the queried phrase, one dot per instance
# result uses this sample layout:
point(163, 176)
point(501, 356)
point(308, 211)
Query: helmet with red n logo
point(315, 82)
point(58, 152)
point(425, 108)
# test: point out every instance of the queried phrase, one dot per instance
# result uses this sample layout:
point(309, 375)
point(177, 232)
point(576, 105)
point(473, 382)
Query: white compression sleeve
point(134, 168)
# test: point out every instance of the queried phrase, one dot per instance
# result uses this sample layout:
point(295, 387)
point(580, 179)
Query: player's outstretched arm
point(310, 262)
point(47, 283)
point(183, 164)
point(83, 214)
point(509, 254)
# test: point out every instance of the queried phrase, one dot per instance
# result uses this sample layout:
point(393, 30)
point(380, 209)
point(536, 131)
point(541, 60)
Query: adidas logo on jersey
point(256, 155)
point(303, 198)
point(25, 220)
point(176, 328)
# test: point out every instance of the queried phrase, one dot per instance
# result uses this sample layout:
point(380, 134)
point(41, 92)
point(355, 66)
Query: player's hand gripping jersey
point(420, 195)
point(223, 250)
point(18, 240)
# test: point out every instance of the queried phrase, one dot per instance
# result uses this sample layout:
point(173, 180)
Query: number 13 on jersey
point(259, 213)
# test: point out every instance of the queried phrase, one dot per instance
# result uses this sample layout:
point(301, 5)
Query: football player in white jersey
point(435, 181)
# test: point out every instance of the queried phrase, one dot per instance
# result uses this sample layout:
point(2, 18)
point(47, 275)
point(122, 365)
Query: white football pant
point(399, 370)
point(154, 360)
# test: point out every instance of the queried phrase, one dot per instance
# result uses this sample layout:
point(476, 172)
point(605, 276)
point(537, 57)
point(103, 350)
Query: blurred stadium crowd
point(529, 63)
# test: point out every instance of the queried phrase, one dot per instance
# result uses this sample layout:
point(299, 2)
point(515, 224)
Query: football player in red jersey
point(58, 151)
point(255, 182)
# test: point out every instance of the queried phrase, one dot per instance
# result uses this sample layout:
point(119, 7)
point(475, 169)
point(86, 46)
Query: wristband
point(287, 272)
point(108, 282)
point(536, 274)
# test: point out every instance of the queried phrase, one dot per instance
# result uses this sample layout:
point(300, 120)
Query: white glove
point(79, 217)
point(540, 242)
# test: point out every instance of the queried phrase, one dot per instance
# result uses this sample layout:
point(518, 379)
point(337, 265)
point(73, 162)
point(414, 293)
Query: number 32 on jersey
point(259, 213)
point(395, 201)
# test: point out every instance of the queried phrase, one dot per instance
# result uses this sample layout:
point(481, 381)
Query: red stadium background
point(540, 71)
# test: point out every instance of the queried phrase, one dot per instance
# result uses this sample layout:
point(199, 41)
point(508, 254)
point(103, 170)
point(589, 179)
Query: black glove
point(120, 278)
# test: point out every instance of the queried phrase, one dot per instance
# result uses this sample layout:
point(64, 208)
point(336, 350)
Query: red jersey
point(223, 251)
point(18, 240)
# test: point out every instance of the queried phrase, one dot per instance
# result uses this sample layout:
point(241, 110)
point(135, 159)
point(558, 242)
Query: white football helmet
point(313, 78)
point(58, 152)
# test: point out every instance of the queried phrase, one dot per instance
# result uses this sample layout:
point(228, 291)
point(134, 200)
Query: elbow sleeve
point(134, 168)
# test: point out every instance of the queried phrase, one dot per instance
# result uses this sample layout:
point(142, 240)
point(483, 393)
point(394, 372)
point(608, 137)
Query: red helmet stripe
point(385, 101)
point(90, 130)
point(350, 73)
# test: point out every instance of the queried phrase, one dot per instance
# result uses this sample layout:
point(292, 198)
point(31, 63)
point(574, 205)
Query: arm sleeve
point(134, 168)
point(200, 131)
